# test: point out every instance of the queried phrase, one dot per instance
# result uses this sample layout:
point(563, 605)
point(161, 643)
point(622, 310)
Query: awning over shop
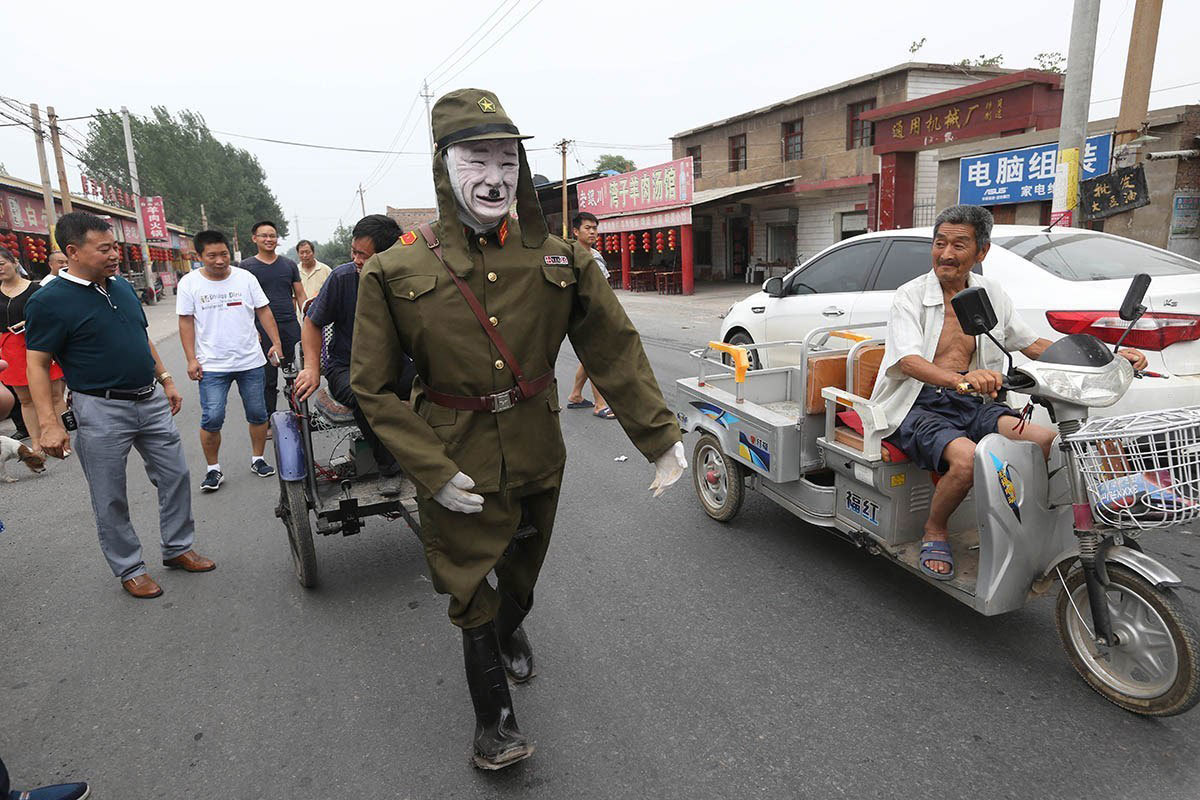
point(712, 195)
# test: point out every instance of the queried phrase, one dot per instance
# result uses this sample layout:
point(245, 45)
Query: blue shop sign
point(1025, 175)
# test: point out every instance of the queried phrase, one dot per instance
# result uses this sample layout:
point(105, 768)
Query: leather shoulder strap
point(435, 246)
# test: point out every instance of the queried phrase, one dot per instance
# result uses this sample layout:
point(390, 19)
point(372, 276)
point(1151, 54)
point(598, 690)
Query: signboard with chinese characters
point(1105, 195)
point(155, 219)
point(25, 214)
point(130, 233)
point(1025, 175)
point(664, 186)
point(671, 218)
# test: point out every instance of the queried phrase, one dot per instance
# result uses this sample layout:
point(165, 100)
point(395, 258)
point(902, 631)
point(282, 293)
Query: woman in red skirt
point(15, 292)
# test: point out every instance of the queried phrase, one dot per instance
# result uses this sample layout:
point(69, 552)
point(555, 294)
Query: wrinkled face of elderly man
point(484, 177)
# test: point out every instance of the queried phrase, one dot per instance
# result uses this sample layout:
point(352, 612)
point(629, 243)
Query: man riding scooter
point(934, 378)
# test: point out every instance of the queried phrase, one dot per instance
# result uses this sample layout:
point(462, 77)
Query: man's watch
point(163, 377)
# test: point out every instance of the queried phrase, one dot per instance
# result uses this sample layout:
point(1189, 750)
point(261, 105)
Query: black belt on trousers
point(495, 403)
point(134, 395)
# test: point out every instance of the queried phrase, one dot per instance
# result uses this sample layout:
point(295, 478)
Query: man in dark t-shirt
point(280, 280)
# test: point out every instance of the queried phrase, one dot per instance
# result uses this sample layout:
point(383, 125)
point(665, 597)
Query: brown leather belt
point(495, 403)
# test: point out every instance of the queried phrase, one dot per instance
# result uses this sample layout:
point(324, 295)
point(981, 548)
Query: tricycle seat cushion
point(850, 432)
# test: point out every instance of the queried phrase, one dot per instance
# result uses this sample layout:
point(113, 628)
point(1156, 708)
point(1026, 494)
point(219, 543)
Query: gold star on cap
point(486, 105)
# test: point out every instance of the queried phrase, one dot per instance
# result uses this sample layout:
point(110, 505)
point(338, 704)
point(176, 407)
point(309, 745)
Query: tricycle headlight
point(1093, 389)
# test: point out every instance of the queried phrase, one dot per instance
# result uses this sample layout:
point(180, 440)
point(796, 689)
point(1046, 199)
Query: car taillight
point(1154, 331)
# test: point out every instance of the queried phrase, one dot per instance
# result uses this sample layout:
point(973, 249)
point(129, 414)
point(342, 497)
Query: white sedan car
point(1065, 280)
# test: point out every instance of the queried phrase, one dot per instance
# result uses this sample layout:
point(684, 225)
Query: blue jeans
point(214, 392)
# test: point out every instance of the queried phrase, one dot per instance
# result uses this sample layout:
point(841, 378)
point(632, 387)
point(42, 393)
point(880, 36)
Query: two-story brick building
point(782, 182)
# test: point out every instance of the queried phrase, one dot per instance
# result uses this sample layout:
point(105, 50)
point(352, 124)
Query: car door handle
point(832, 311)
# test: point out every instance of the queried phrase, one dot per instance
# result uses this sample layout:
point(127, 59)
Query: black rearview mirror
point(974, 311)
point(1131, 306)
point(773, 286)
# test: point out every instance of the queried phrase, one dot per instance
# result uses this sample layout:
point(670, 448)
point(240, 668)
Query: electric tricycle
point(340, 491)
point(808, 438)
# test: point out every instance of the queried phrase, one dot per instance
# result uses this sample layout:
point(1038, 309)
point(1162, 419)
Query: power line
point(318, 146)
point(1152, 91)
point(499, 39)
point(433, 74)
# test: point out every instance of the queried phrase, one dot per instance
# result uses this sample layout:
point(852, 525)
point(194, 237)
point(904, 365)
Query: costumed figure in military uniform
point(482, 303)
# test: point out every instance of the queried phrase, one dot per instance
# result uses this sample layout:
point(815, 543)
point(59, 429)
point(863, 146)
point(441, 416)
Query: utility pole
point(237, 248)
point(1139, 68)
point(63, 187)
point(562, 148)
point(203, 218)
point(297, 220)
point(47, 192)
point(362, 200)
point(1077, 91)
point(428, 95)
point(147, 266)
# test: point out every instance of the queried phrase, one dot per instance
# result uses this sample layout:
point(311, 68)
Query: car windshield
point(1093, 257)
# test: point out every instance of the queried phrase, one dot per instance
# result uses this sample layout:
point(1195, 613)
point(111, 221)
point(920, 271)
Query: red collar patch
point(502, 233)
point(408, 238)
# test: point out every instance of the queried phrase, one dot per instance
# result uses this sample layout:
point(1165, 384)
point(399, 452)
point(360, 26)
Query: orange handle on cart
point(740, 356)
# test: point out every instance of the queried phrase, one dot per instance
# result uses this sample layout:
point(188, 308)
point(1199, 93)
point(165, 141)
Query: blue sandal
point(937, 551)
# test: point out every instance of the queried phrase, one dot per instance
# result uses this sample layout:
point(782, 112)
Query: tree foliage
point(1052, 61)
point(337, 250)
point(178, 158)
point(983, 60)
point(614, 161)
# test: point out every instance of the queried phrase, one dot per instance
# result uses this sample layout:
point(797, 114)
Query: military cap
point(467, 115)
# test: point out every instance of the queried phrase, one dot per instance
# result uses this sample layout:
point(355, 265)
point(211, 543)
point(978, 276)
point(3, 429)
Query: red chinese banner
point(25, 214)
point(129, 231)
point(155, 219)
point(666, 185)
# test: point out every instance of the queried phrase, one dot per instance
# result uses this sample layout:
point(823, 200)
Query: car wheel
point(742, 338)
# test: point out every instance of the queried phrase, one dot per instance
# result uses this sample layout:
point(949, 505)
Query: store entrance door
point(739, 247)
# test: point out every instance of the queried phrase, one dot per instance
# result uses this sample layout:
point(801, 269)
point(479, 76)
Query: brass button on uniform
point(412, 294)
point(563, 284)
point(482, 241)
point(492, 277)
point(494, 320)
point(499, 364)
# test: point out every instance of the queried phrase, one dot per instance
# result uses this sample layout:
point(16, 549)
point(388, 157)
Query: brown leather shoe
point(190, 562)
point(142, 587)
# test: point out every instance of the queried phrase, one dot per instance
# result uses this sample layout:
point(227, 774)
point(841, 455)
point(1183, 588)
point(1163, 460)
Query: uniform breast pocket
point(412, 287)
point(562, 277)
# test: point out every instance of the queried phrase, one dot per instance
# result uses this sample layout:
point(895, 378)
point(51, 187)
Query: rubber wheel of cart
point(741, 338)
point(719, 480)
point(1154, 669)
point(293, 510)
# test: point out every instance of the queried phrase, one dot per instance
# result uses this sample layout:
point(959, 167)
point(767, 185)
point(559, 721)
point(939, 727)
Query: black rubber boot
point(498, 740)
point(515, 650)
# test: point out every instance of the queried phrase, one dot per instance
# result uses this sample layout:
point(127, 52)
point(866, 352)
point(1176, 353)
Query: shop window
point(793, 140)
point(859, 132)
point(702, 247)
point(781, 244)
point(737, 153)
point(694, 152)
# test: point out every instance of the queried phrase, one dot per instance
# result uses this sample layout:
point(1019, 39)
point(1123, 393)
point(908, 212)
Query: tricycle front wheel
point(718, 479)
point(293, 511)
point(1154, 667)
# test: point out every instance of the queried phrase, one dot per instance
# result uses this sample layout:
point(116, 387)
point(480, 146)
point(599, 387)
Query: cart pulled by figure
point(333, 495)
point(809, 438)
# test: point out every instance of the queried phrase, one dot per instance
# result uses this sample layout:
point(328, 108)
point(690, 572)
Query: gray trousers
point(107, 430)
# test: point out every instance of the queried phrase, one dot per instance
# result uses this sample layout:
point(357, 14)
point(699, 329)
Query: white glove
point(454, 495)
point(668, 468)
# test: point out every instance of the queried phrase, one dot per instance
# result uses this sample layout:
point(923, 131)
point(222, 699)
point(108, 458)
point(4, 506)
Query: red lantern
point(632, 243)
point(658, 241)
point(646, 241)
point(671, 239)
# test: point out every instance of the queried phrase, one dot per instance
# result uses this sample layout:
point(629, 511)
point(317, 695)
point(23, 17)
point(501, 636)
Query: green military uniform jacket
point(536, 297)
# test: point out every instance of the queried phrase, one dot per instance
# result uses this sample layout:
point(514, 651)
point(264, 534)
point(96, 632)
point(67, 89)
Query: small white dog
point(12, 450)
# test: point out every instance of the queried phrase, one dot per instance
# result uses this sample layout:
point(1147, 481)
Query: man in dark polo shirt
point(91, 322)
point(280, 280)
point(335, 306)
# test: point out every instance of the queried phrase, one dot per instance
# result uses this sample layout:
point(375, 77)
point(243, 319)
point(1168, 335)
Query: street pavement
point(677, 657)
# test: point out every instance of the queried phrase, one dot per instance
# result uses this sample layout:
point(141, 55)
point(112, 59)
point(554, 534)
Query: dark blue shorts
point(938, 417)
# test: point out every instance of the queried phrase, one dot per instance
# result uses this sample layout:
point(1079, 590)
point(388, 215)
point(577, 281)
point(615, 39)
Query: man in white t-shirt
point(57, 261)
point(217, 306)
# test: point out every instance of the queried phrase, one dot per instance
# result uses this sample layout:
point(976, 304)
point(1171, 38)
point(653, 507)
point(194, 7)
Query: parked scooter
point(1027, 525)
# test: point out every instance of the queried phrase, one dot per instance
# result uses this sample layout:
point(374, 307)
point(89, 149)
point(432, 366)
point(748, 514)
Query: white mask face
point(484, 177)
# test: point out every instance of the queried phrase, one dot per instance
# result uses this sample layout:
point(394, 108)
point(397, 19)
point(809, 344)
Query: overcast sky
point(613, 73)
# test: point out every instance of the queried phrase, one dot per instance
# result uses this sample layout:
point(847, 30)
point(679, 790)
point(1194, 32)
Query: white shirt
point(224, 313)
point(312, 280)
point(914, 327)
point(600, 260)
point(48, 278)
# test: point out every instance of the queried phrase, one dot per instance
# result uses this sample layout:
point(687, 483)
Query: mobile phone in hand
point(18, 328)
